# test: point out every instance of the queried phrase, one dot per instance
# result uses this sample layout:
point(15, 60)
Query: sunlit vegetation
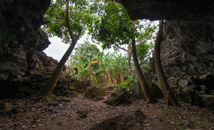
point(109, 24)
point(89, 63)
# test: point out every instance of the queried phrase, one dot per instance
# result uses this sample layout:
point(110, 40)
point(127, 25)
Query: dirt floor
point(80, 113)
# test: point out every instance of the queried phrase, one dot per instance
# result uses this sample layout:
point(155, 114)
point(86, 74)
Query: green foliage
point(86, 51)
point(88, 63)
point(80, 17)
point(123, 85)
point(113, 26)
point(107, 22)
point(144, 47)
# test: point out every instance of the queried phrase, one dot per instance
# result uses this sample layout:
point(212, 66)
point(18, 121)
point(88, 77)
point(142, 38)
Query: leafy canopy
point(80, 17)
point(113, 25)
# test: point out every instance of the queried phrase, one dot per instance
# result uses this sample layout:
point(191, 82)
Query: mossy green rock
point(92, 92)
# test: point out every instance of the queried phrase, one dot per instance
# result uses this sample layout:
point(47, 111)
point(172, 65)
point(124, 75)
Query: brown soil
point(81, 113)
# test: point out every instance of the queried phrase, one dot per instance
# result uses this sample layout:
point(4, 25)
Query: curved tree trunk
point(168, 94)
point(143, 83)
point(50, 85)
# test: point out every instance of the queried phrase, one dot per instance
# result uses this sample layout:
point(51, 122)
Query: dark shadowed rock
point(94, 93)
point(167, 9)
point(127, 121)
point(21, 46)
point(189, 95)
point(120, 96)
point(82, 113)
point(208, 101)
point(72, 94)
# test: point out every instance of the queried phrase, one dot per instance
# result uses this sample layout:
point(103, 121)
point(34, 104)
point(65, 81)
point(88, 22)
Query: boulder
point(120, 96)
point(72, 94)
point(190, 88)
point(128, 121)
point(207, 101)
point(82, 113)
point(183, 83)
point(94, 93)
point(72, 88)
point(189, 95)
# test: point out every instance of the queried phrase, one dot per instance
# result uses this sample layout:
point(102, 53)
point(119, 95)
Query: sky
point(57, 48)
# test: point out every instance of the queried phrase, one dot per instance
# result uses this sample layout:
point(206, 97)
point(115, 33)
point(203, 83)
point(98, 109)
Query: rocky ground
point(80, 113)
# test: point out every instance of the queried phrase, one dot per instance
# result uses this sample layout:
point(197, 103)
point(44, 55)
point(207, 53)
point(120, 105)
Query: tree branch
point(67, 21)
point(122, 48)
point(143, 55)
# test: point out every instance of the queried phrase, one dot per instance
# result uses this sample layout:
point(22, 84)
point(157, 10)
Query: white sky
point(57, 48)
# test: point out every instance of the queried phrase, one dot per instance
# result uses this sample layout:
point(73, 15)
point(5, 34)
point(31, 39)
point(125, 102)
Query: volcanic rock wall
point(187, 55)
point(21, 44)
point(187, 48)
point(24, 67)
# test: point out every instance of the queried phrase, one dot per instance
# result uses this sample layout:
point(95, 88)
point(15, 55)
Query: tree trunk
point(143, 83)
point(131, 72)
point(50, 85)
point(168, 94)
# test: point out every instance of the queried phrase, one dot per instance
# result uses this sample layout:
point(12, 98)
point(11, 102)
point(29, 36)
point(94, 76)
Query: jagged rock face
point(24, 67)
point(188, 48)
point(168, 9)
point(22, 42)
point(21, 39)
point(187, 55)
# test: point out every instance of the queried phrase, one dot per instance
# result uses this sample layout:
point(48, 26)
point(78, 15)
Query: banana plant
point(120, 67)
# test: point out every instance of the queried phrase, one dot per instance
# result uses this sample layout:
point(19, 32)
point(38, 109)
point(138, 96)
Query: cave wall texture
point(21, 45)
point(187, 48)
point(24, 67)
